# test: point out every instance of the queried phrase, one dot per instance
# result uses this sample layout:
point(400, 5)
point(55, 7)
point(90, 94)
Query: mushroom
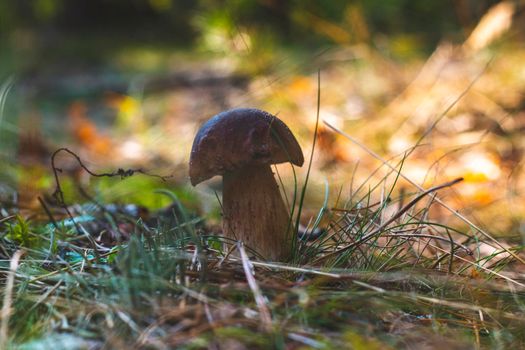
point(241, 144)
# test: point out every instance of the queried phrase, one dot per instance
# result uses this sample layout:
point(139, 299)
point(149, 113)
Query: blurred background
point(437, 85)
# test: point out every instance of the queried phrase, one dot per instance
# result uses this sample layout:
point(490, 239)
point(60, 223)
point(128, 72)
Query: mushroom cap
point(240, 137)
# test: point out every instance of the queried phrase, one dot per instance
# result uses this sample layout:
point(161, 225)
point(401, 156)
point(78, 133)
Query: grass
point(381, 275)
point(380, 272)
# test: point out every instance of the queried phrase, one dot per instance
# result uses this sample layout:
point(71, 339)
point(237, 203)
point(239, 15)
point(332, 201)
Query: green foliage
point(215, 23)
point(20, 232)
point(140, 190)
point(359, 342)
point(45, 10)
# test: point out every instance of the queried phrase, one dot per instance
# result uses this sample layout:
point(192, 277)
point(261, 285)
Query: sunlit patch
point(416, 173)
point(493, 24)
point(128, 111)
point(399, 144)
point(476, 193)
point(128, 108)
point(218, 38)
point(478, 167)
point(299, 87)
point(355, 107)
point(242, 42)
point(333, 119)
point(85, 131)
point(131, 149)
point(128, 105)
point(459, 123)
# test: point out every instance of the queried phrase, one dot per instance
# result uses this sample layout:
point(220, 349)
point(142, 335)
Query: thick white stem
point(254, 212)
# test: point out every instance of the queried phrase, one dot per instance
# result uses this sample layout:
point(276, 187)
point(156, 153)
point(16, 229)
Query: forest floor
point(119, 261)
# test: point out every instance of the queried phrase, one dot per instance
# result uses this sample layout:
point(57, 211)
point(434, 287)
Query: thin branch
point(123, 173)
point(58, 194)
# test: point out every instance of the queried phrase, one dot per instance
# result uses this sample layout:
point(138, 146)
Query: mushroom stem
point(254, 211)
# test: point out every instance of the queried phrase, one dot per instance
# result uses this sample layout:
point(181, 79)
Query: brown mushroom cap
point(240, 137)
